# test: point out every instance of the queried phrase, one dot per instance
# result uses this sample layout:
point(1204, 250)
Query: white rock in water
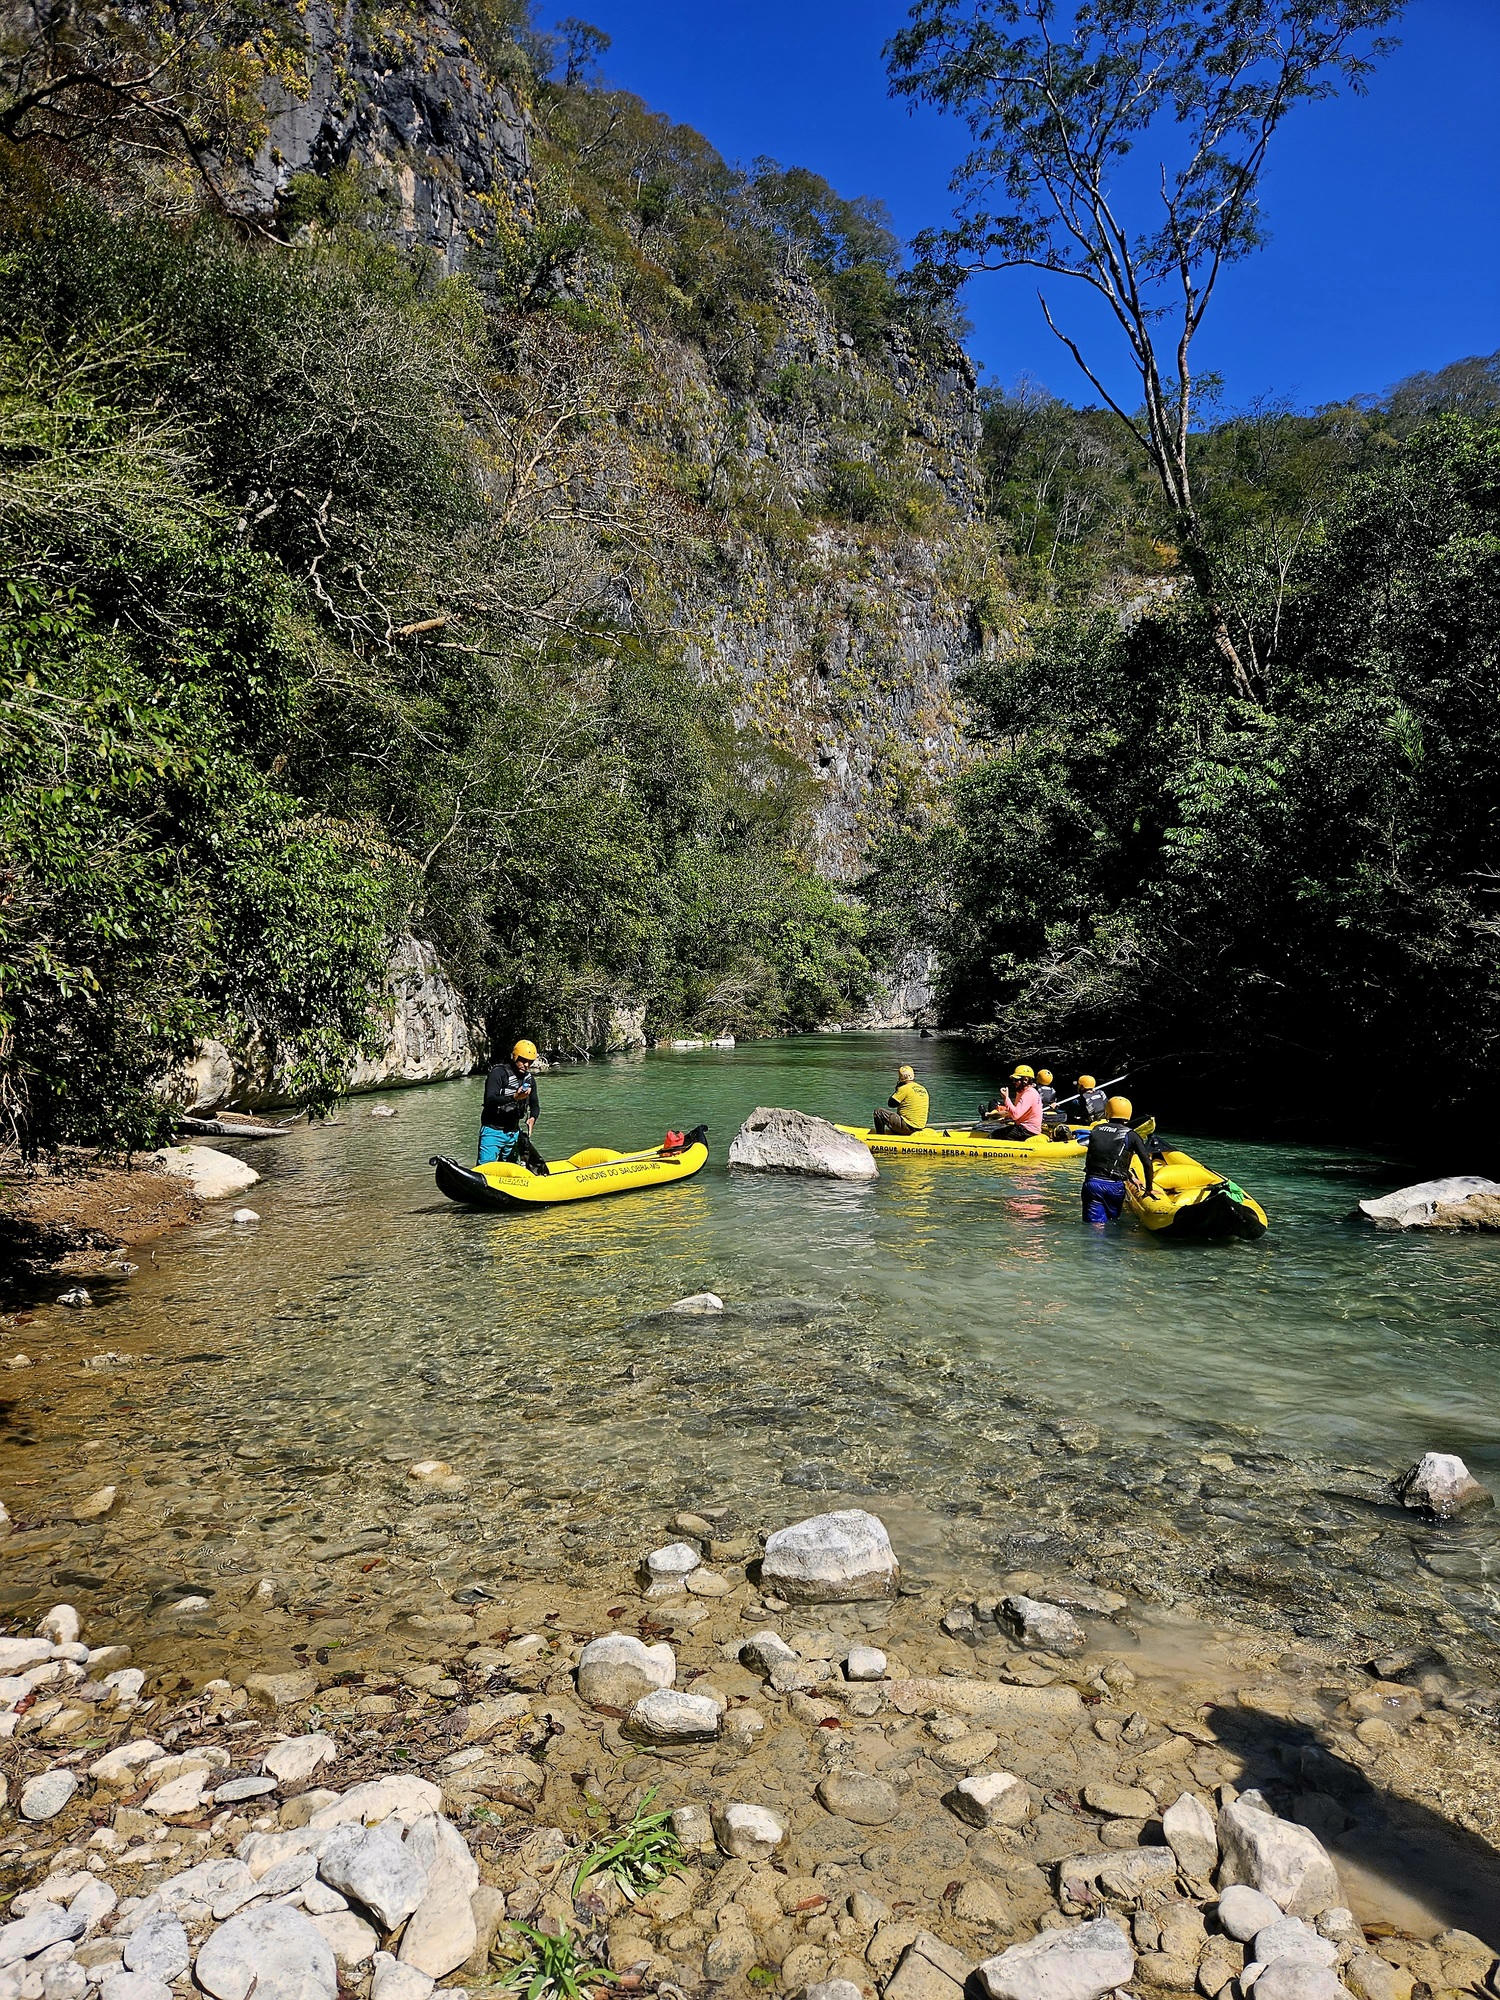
point(61, 1626)
point(382, 1111)
point(1414, 1207)
point(789, 1142)
point(1440, 1483)
point(442, 1932)
point(673, 1562)
point(295, 1758)
point(1192, 1835)
point(373, 1865)
point(667, 1715)
point(244, 1215)
point(376, 1799)
point(615, 1671)
point(76, 1296)
point(47, 1924)
point(1049, 1626)
point(700, 1302)
point(1081, 1964)
point(277, 1950)
point(749, 1833)
point(97, 1505)
point(1283, 1860)
point(839, 1558)
point(44, 1796)
point(991, 1798)
point(211, 1174)
point(864, 1663)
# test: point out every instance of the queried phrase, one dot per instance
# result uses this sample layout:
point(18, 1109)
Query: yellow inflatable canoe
point(961, 1145)
point(595, 1171)
point(1190, 1199)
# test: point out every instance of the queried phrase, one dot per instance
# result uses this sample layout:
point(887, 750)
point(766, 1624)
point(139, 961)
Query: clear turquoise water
point(929, 1339)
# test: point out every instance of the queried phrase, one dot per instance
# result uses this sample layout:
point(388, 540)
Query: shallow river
point(1206, 1425)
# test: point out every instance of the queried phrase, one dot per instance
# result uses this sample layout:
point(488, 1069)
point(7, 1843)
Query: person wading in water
point(1112, 1146)
point(511, 1109)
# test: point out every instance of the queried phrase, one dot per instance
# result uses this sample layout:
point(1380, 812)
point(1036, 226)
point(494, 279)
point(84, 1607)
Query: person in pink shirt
point(1018, 1117)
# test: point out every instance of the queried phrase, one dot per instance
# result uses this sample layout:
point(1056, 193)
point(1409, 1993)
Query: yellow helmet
point(1118, 1107)
point(1044, 1076)
point(906, 1074)
point(1023, 1073)
point(523, 1051)
point(1085, 1083)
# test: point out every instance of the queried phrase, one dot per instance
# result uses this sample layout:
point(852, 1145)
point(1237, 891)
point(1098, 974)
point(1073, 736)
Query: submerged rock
point(1441, 1484)
point(839, 1558)
point(211, 1174)
point(789, 1142)
point(1046, 1626)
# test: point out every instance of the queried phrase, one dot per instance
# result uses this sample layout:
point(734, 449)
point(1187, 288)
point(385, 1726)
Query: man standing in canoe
point(1019, 1117)
point(510, 1104)
point(1112, 1146)
point(907, 1112)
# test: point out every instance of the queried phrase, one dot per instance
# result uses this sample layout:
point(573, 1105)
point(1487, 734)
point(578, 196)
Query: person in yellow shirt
point(908, 1106)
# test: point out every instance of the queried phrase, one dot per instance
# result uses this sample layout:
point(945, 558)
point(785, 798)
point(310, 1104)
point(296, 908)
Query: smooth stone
point(748, 1833)
point(211, 1174)
point(47, 1924)
point(351, 1940)
point(97, 1505)
point(857, 1796)
point(706, 1582)
point(1119, 1801)
point(244, 1215)
point(93, 1902)
point(667, 1715)
point(319, 1900)
point(16, 1655)
point(1416, 1206)
point(677, 1559)
point(1243, 1911)
point(442, 1931)
point(1284, 1861)
point(281, 1690)
point(394, 1981)
point(296, 1758)
point(374, 1867)
point(134, 1986)
point(158, 1947)
point(44, 1796)
point(61, 1626)
point(277, 1950)
point(772, 1140)
point(1081, 1964)
point(1192, 1835)
point(1289, 1937)
point(839, 1558)
point(1441, 1484)
point(991, 1798)
point(617, 1670)
point(1046, 1626)
point(183, 1794)
point(243, 1788)
point(1299, 1979)
point(699, 1302)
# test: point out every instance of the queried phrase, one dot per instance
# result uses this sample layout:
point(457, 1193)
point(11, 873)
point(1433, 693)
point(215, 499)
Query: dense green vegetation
point(310, 644)
point(1295, 892)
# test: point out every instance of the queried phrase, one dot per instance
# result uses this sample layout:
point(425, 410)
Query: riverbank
point(890, 1792)
point(75, 1216)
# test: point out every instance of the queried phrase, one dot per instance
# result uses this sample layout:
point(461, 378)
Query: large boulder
point(1283, 1860)
point(789, 1142)
point(212, 1174)
point(1434, 1204)
point(1441, 1484)
point(841, 1558)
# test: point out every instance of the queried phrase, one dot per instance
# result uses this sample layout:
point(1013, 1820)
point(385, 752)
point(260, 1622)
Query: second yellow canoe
point(941, 1140)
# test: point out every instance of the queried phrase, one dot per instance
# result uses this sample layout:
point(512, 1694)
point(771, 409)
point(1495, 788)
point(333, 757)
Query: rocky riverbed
point(1048, 1790)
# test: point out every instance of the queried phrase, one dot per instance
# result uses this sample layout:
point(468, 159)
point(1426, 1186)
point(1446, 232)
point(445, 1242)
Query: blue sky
point(1385, 224)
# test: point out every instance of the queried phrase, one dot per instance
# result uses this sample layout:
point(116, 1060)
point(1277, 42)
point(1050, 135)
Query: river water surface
point(1204, 1425)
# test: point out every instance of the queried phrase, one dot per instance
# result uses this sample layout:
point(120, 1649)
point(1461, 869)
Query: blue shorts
point(496, 1145)
point(1102, 1200)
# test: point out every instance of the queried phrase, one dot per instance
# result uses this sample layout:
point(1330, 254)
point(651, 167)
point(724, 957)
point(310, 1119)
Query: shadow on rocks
point(1408, 1847)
